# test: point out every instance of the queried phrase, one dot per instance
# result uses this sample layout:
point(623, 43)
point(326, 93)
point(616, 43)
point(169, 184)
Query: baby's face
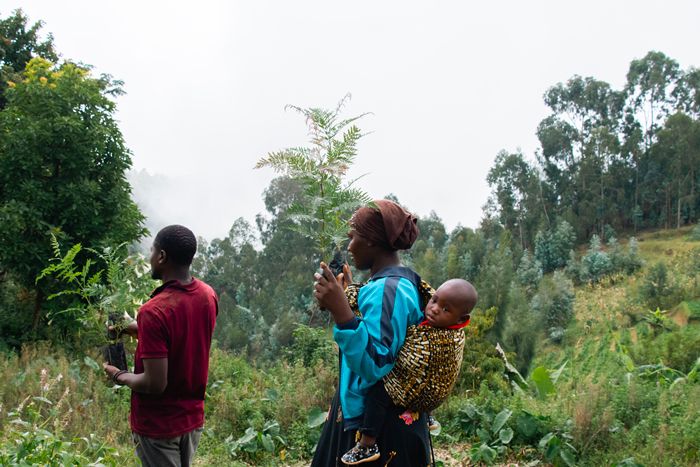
point(442, 310)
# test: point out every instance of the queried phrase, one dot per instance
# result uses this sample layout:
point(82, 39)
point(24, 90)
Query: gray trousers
point(167, 452)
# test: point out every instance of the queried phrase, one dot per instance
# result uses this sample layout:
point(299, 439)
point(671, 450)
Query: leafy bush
point(596, 263)
point(552, 248)
point(498, 429)
point(529, 273)
point(656, 289)
point(554, 301)
point(679, 349)
point(85, 298)
point(521, 331)
point(311, 346)
point(695, 233)
point(482, 366)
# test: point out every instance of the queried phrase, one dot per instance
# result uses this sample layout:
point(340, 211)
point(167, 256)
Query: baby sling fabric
point(427, 364)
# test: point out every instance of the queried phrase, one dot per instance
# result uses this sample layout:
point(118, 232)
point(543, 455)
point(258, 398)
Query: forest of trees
point(611, 164)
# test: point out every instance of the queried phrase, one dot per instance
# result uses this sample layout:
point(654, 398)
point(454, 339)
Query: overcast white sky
point(449, 84)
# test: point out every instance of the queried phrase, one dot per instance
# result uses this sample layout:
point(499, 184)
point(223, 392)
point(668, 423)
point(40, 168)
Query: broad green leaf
point(543, 383)
point(91, 363)
point(250, 435)
point(487, 453)
point(483, 435)
point(568, 457)
point(317, 417)
point(500, 420)
point(272, 427)
point(546, 439)
point(267, 443)
point(526, 424)
point(505, 435)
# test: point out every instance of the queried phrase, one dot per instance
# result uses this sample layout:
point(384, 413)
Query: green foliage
point(494, 280)
point(529, 273)
point(34, 437)
point(545, 379)
point(609, 159)
point(19, 43)
point(596, 263)
point(48, 413)
point(482, 365)
point(676, 348)
point(498, 429)
point(86, 298)
point(327, 200)
point(554, 303)
point(62, 169)
point(312, 346)
point(522, 330)
point(657, 290)
point(238, 329)
point(552, 248)
point(695, 233)
point(254, 442)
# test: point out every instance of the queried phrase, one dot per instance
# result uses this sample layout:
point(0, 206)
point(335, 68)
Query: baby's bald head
point(451, 304)
point(461, 294)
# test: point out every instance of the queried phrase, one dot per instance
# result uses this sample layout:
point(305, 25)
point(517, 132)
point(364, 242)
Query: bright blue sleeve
point(370, 344)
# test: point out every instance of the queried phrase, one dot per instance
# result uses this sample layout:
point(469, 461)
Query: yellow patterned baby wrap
point(427, 364)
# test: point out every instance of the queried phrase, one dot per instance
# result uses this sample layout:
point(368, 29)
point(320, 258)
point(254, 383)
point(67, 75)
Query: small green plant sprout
point(253, 441)
point(490, 429)
point(657, 319)
point(557, 449)
point(320, 169)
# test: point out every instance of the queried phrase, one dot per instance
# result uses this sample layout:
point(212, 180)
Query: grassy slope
point(608, 316)
point(654, 423)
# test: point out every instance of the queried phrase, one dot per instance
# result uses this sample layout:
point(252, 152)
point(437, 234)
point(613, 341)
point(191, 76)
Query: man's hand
point(110, 370)
point(153, 380)
point(330, 294)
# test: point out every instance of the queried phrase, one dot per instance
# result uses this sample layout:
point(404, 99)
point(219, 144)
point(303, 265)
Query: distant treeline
point(626, 158)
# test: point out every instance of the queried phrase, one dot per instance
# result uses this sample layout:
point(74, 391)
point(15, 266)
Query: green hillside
point(628, 393)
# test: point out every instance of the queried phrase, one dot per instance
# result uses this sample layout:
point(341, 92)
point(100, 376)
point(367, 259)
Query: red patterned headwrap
point(387, 225)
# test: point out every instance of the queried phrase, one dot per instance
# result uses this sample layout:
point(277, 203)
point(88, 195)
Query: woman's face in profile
point(360, 250)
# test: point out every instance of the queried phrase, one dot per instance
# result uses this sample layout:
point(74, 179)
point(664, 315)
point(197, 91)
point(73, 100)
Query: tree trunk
point(668, 207)
point(636, 193)
point(678, 209)
point(38, 301)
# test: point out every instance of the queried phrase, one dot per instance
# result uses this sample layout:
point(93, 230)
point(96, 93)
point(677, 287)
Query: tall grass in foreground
point(59, 409)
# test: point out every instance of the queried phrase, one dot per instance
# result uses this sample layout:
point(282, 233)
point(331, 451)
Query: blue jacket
point(389, 303)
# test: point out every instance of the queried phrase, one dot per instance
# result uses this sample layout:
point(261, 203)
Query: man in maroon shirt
point(174, 330)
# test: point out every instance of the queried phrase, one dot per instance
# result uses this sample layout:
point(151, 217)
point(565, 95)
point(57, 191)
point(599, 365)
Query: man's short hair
point(178, 242)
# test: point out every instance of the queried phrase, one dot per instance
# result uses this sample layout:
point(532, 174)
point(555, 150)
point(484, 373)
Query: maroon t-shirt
point(177, 323)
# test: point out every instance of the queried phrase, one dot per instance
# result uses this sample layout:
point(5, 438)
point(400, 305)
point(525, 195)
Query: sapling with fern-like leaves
point(108, 284)
point(328, 199)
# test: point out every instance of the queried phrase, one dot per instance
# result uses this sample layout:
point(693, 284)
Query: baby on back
point(426, 367)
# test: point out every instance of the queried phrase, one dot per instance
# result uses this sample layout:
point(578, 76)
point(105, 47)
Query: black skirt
point(401, 444)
